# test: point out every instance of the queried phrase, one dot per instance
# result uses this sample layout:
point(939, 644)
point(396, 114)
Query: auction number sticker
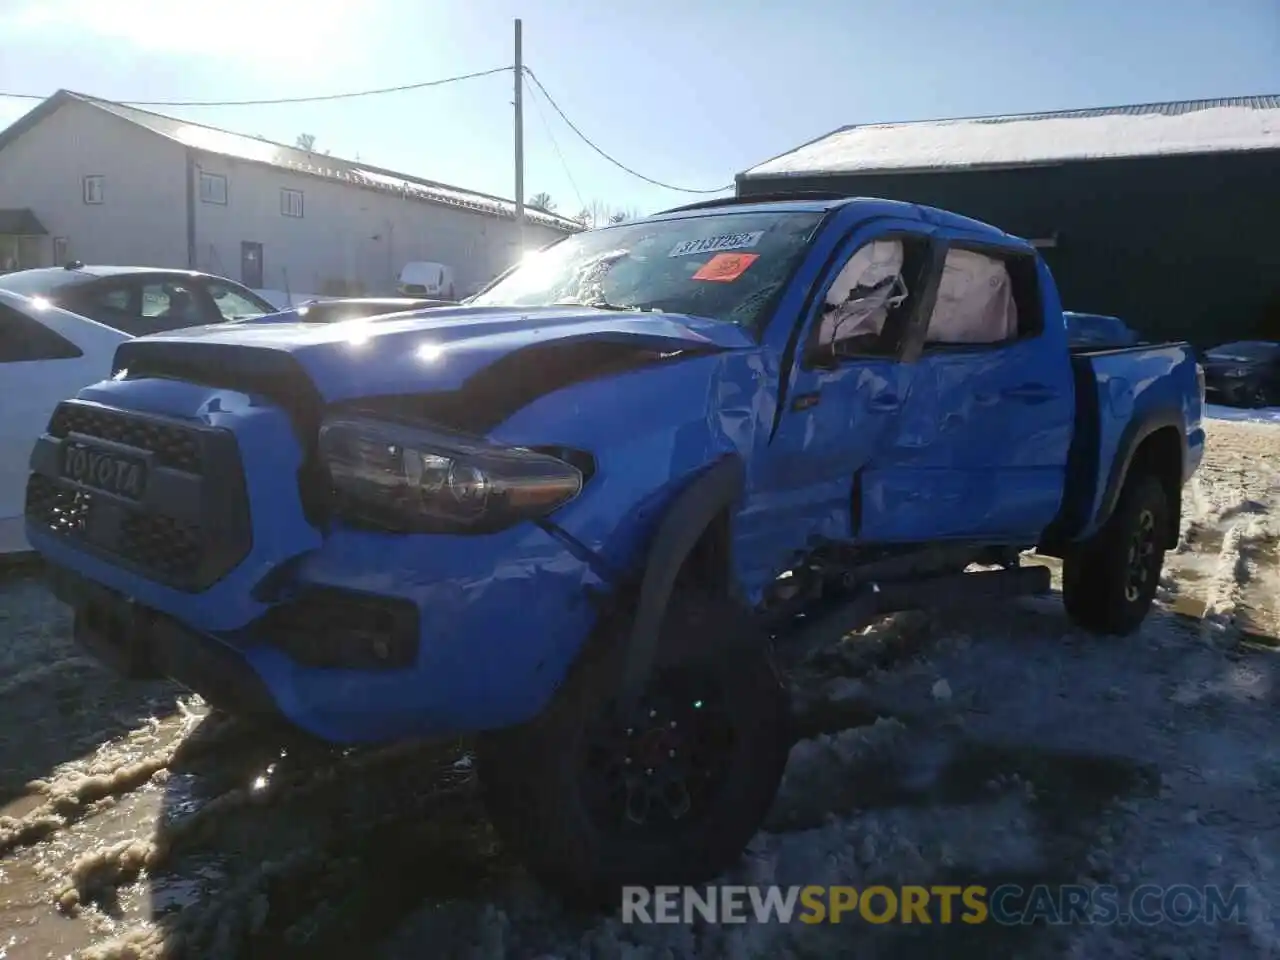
point(724, 267)
point(727, 241)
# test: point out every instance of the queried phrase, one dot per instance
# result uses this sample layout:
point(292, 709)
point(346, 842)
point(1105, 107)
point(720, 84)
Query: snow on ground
point(988, 746)
point(1216, 411)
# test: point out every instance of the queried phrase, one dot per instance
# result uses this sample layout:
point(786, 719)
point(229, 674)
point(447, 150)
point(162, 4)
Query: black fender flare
point(684, 523)
point(1132, 437)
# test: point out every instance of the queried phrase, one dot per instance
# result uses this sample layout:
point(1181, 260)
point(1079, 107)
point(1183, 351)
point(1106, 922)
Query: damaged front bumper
point(142, 644)
point(368, 642)
point(351, 635)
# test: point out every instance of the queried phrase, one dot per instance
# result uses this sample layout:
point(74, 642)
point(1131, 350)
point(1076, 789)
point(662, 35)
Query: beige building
point(105, 183)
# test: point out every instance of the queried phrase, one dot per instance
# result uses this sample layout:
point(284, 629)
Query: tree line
point(595, 214)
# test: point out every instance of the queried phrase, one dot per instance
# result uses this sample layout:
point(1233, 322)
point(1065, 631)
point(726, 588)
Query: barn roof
point(255, 150)
point(1181, 127)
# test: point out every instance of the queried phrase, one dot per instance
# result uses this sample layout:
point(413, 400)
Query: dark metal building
point(1167, 214)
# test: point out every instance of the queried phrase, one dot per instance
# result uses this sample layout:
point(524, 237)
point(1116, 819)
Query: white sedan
point(46, 355)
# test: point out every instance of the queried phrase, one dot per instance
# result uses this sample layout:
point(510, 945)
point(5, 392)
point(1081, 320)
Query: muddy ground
point(985, 747)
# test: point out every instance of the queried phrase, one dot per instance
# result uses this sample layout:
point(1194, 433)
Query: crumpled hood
point(433, 350)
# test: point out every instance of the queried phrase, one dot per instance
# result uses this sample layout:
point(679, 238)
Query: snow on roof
point(242, 147)
point(1147, 130)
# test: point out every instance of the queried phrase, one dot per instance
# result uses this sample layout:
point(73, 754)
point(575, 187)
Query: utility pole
point(519, 104)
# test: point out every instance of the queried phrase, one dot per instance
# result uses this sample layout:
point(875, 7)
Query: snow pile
point(1214, 411)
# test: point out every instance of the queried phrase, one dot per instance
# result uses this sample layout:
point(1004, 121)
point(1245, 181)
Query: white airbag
point(872, 264)
point(975, 301)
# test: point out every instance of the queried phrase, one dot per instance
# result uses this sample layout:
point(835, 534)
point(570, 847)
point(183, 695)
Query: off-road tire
point(1098, 590)
point(533, 780)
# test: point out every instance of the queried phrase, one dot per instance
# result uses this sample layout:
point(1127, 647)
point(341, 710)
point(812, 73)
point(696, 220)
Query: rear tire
point(1109, 583)
point(671, 795)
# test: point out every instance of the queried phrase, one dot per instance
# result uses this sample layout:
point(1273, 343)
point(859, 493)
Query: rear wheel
point(670, 793)
point(1109, 583)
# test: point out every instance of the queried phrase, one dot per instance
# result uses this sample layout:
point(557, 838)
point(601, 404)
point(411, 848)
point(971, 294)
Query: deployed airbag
point(855, 307)
point(975, 301)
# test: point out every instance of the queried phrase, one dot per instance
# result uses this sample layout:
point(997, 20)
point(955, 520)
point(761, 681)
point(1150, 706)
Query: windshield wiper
point(598, 304)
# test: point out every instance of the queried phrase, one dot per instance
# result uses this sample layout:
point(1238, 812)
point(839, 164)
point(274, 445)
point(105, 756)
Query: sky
point(685, 92)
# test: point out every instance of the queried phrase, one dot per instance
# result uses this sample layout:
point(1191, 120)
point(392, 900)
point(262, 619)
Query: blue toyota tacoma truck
point(576, 515)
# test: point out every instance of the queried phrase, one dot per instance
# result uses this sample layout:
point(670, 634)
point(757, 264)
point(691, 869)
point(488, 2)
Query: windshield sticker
point(728, 241)
point(724, 267)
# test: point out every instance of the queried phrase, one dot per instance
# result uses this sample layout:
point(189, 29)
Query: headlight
point(427, 480)
point(1237, 372)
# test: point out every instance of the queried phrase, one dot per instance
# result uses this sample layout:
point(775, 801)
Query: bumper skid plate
point(142, 643)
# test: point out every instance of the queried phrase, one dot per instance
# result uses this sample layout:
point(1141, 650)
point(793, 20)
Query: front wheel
point(668, 794)
point(1109, 583)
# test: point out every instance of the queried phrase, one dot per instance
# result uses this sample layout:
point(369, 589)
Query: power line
point(403, 88)
point(617, 163)
point(542, 115)
point(282, 100)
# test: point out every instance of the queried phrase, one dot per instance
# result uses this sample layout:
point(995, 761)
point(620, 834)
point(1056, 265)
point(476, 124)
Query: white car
point(46, 355)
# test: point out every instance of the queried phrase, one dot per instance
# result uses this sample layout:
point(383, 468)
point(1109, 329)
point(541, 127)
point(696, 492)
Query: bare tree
point(598, 213)
point(307, 142)
point(543, 202)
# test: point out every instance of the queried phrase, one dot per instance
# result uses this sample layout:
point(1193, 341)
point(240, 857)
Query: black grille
point(191, 525)
point(62, 511)
point(164, 547)
point(162, 543)
point(171, 445)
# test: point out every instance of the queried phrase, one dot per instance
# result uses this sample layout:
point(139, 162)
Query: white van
point(422, 278)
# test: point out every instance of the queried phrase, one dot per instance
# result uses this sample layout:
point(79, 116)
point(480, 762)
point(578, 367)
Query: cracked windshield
point(726, 267)
point(666, 481)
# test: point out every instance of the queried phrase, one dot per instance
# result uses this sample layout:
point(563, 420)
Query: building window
point(291, 203)
point(93, 188)
point(59, 251)
point(213, 188)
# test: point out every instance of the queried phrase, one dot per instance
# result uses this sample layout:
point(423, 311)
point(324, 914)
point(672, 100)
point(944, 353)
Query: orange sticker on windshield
point(724, 267)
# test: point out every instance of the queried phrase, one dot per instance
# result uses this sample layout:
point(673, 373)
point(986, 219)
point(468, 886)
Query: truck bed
point(1123, 394)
